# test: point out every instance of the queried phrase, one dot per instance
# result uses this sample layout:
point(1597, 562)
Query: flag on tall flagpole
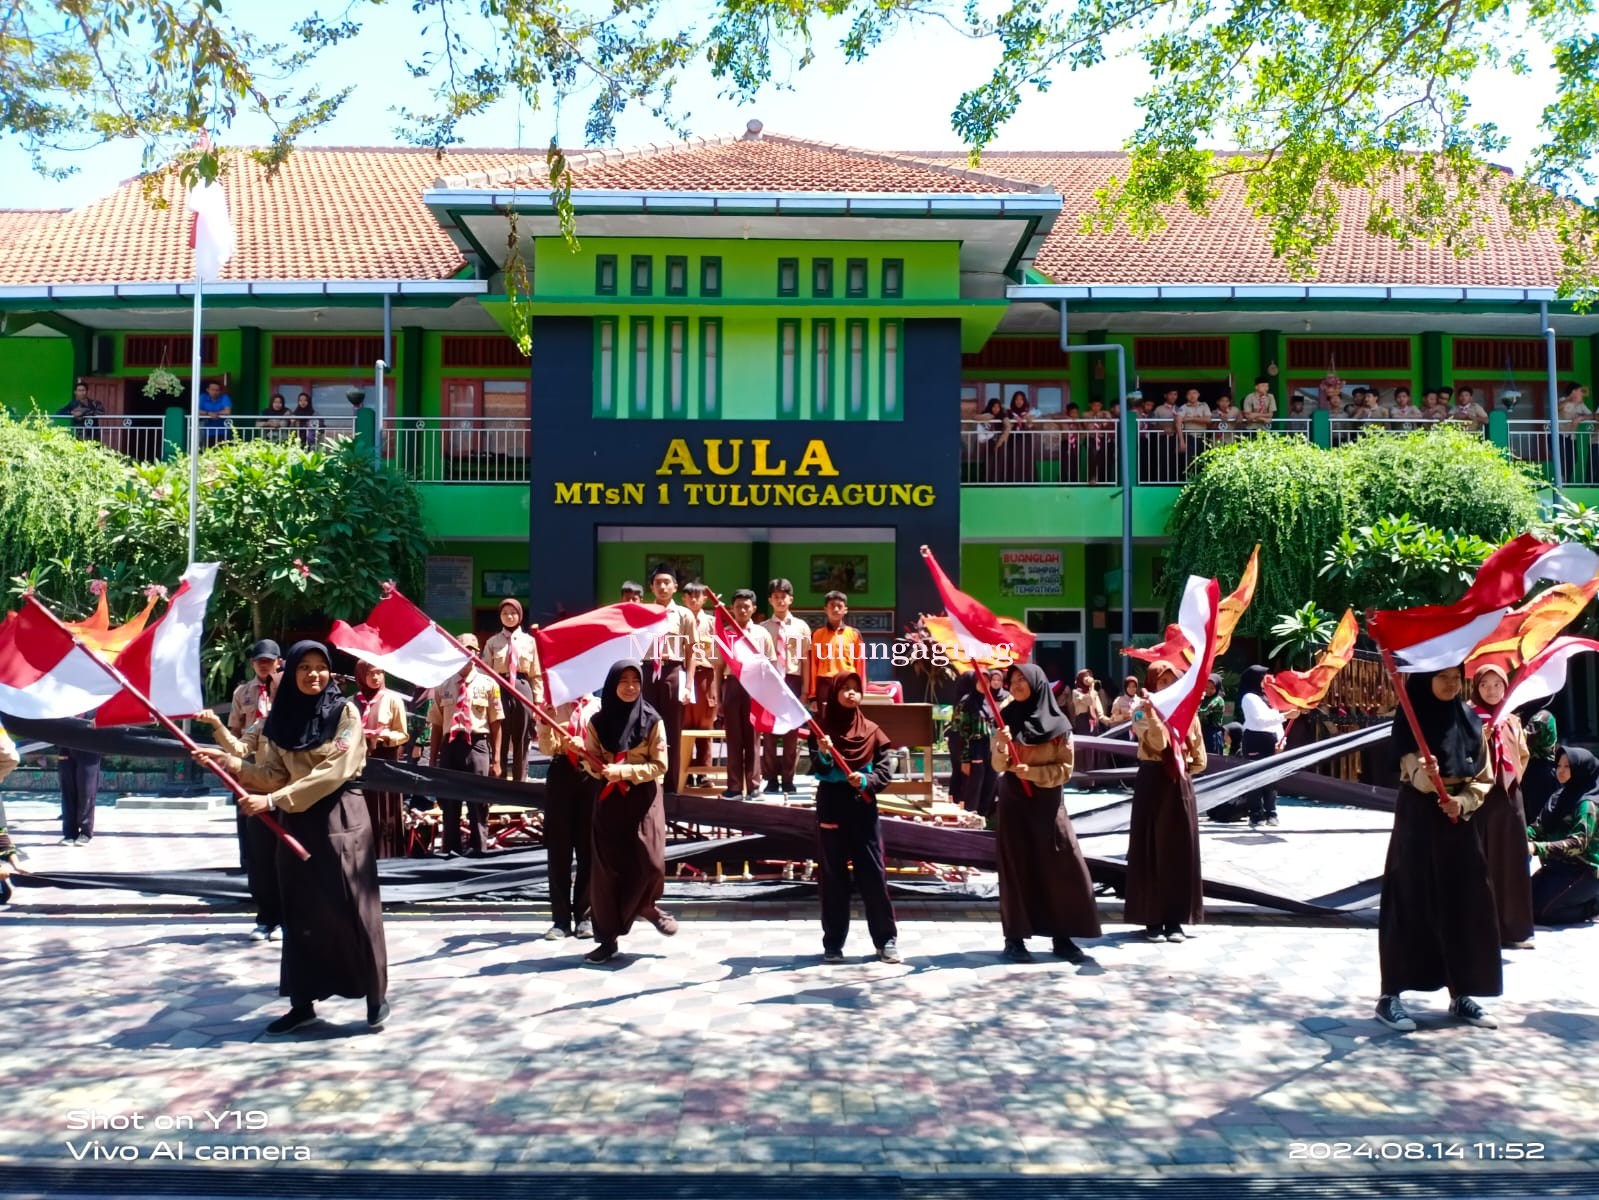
point(211, 233)
point(163, 662)
point(773, 707)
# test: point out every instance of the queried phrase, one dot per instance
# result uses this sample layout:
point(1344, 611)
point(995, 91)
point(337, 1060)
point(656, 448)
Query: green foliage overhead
point(51, 496)
point(1325, 99)
point(1301, 633)
point(1399, 562)
point(1298, 502)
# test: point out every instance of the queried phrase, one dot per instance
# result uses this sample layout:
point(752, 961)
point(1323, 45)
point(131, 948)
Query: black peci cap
point(265, 648)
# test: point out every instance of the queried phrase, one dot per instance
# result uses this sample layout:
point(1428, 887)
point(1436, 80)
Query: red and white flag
point(211, 235)
point(163, 662)
point(976, 628)
point(1199, 617)
point(1542, 675)
point(773, 707)
point(1435, 636)
point(403, 640)
point(42, 674)
point(578, 652)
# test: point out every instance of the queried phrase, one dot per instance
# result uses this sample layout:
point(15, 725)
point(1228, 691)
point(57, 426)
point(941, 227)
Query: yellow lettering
point(854, 493)
point(693, 490)
point(761, 468)
point(876, 494)
point(713, 455)
point(922, 495)
point(900, 493)
point(815, 456)
point(830, 496)
point(806, 494)
point(569, 493)
point(613, 495)
point(632, 493)
point(783, 493)
point(677, 458)
point(760, 495)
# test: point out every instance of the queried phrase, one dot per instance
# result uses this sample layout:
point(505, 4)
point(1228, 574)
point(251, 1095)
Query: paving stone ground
point(1250, 1048)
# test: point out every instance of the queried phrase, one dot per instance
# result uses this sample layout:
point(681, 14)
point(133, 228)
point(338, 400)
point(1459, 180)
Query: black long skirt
point(629, 871)
point(1502, 829)
point(1438, 927)
point(1087, 760)
point(1164, 886)
point(332, 913)
point(1044, 885)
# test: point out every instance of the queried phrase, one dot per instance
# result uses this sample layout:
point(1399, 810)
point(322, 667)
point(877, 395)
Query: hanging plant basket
point(162, 382)
point(355, 395)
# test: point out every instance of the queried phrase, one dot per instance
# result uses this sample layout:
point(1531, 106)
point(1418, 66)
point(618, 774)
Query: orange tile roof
point(1230, 246)
point(14, 222)
point(752, 163)
point(331, 213)
point(357, 213)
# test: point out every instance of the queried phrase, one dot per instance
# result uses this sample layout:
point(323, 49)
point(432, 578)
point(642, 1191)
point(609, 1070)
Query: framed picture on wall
point(689, 568)
point(498, 585)
point(845, 573)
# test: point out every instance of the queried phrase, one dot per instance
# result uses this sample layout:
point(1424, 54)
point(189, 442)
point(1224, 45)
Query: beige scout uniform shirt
point(792, 639)
point(1470, 792)
point(497, 653)
point(644, 763)
point(1048, 765)
point(485, 702)
point(294, 780)
point(385, 719)
point(1153, 740)
point(676, 642)
point(704, 638)
point(244, 709)
point(9, 758)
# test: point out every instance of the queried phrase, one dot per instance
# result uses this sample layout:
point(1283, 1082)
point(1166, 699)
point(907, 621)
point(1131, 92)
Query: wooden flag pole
point(1427, 760)
point(172, 727)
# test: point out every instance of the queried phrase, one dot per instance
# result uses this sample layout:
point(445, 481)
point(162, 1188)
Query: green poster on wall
point(1030, 572)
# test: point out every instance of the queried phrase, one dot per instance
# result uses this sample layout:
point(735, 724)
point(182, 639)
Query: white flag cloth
point(211, 236)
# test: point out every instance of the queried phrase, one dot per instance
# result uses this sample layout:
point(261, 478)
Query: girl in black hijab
point(1565, 890)
point(1044, 885)
point(629, 870)
point(852, 765)
point(1439, 927)
point(972, 724)
point(311, 746)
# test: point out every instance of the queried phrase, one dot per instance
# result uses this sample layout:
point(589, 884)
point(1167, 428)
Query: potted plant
point(162, 382)
point(355, 395)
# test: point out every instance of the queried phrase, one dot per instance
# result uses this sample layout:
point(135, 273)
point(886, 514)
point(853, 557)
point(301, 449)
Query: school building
point(765, 357)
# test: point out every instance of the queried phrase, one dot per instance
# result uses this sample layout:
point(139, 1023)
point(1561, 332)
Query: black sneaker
point(772, 788)
point(1153, 933)
point(732, 795)
point(1392, 1014)
point(831, 955)
point(296, 1018)
point(1174, 933)
point(889, 952)
point(1464, 1008)
point(1068, 949)
point(377, 1013)
point(1016, 950)
point(584, 930)
point(603, 953)
point(788, 787)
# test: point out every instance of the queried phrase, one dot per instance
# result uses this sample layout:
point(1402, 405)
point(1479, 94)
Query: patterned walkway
point(1249, 1049)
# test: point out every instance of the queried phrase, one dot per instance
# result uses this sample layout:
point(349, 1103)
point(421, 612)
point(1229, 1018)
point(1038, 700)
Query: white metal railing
point(133, 437)
point(1529, 442)
point(1048, 452)
point(308, 430)
point(1348, 429)
point(1165, 453)
point(460, 449)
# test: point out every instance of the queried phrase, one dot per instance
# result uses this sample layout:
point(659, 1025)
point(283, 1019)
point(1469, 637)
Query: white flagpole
point(194, 421)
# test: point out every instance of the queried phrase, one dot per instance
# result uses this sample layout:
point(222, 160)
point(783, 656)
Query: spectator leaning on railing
point(1574, 415)
point(82, 408)
point(1466, 410)
point(215, 407)
point(1260, 406)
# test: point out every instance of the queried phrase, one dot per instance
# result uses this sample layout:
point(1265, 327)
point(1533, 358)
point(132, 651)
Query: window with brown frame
point(167, 350)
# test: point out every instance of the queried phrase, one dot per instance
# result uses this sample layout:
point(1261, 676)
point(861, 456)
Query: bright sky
point(900, 99)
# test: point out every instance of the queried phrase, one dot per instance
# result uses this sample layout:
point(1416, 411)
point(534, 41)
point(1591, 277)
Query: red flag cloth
point(163, 662)
point(773, 708)
point(401, 639)
point(42, 674)
point(577, 653)
point(1543, 675)
point(975, 627)
point(1434, 636)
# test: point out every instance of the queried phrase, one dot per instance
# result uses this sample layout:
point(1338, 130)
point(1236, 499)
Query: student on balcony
point(1159, 441)
point(1101, 443)
point(1193, 424)
point(1466, 412)
point(1260, 406)
point(215, 407)
point(1574, 416)
point(994, 435)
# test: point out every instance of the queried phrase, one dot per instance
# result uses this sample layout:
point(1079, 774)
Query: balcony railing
point(460, 449)
point(1165, 455)
point(308, 430)
point(133, 437)
point(1055, 452)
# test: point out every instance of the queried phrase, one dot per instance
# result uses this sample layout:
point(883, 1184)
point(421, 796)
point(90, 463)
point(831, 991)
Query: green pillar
point(1096, 635)
point(252, 382)
point(1270, 343)
point(410, 368)
point(1432, 362)
point(1099, 369)
point(174, 436)
point(1321, 429)
point(366, 422)
point(760, 570)
point(1499, 429)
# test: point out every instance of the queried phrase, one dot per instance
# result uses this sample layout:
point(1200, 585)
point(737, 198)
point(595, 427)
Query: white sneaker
point(1464, 1008)
point(260, 933)
point(274, 933)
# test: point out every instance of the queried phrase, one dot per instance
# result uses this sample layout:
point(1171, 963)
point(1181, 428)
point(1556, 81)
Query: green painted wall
point(727, 565)
point(35, 372)
point(476, 510)
point(1076, 513)
point(792, 561)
